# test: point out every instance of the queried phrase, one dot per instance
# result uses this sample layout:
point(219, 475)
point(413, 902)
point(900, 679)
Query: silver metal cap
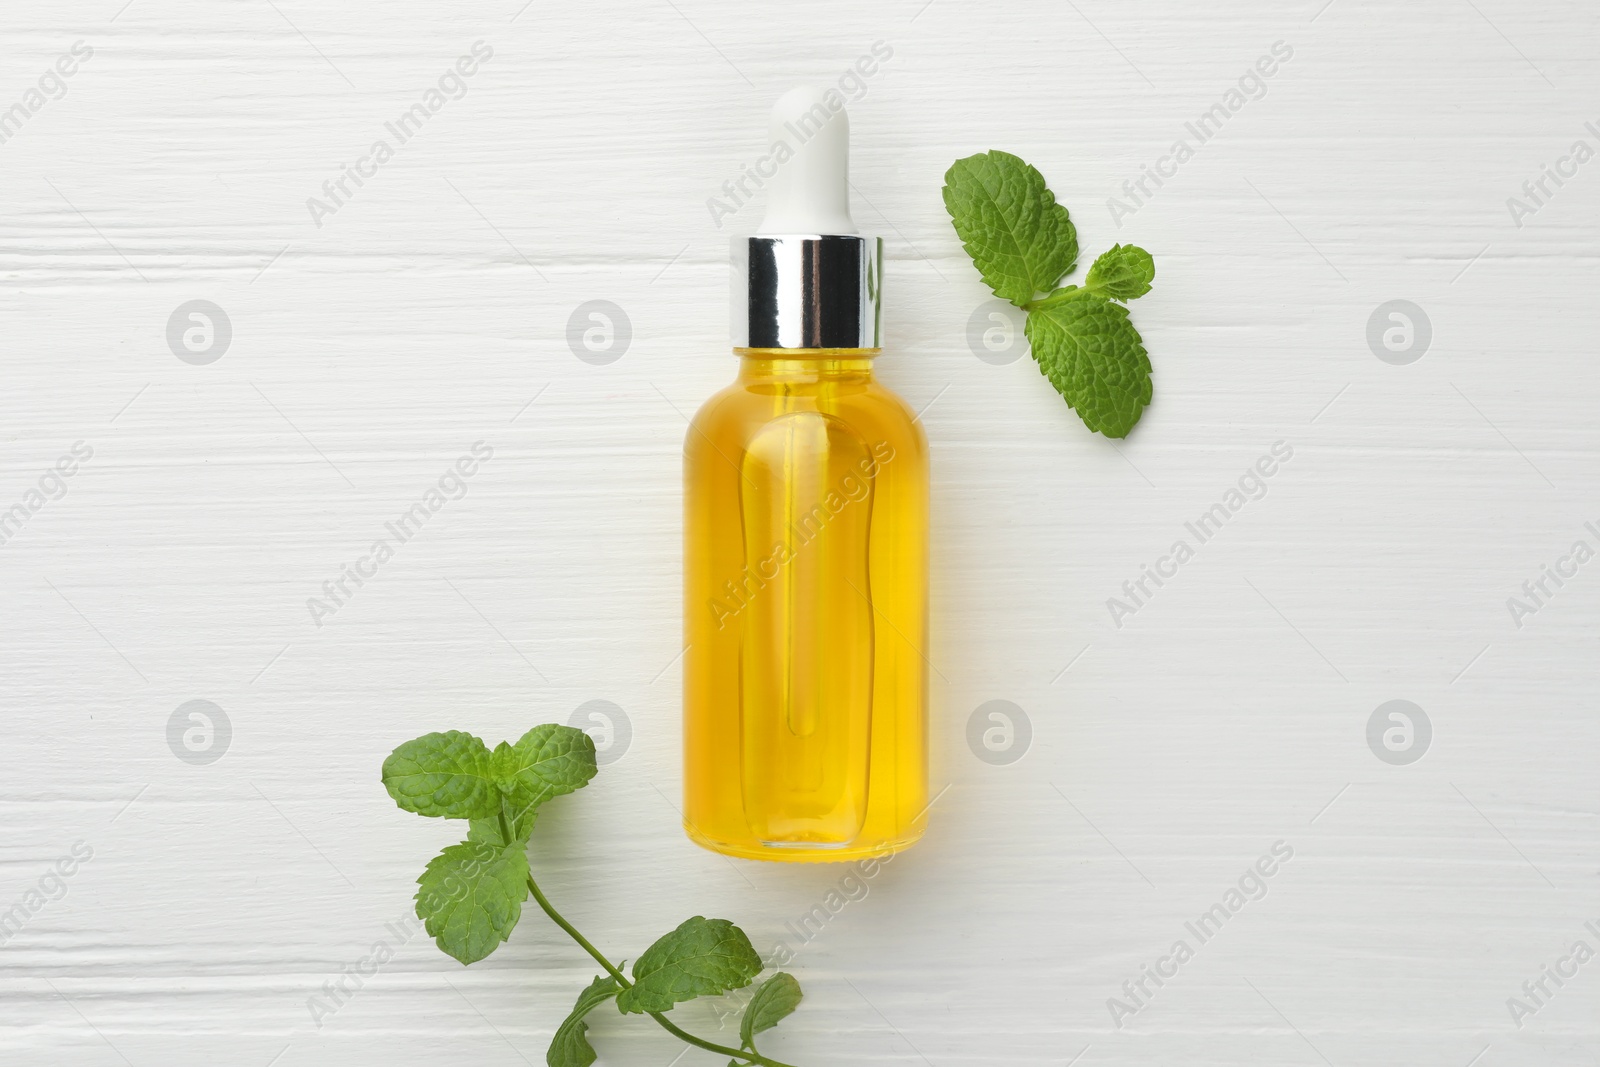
point(807, 291)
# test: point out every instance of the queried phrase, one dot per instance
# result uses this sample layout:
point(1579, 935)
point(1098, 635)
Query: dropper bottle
point(806, 540)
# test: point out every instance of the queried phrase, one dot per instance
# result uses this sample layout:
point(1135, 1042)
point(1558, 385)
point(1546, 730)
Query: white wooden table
point(372, 342)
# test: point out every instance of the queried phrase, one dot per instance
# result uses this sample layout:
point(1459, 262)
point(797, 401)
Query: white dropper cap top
point(811, 191)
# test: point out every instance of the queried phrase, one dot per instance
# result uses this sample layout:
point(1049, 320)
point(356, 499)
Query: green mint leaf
point(1021, 240)
point(521, 804)
point(702, 957)
point(775, 1000)
point(1087, 346)
point(445, 775)
point(1124, 272)
point(570, 1047)
point(546, 762)
point(471, 897)
point(488, 830)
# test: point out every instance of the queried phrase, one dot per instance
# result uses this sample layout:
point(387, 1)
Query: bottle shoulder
point(748, 433)
point(864, 404)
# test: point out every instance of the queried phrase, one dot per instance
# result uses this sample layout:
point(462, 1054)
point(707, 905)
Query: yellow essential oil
point(805, 564)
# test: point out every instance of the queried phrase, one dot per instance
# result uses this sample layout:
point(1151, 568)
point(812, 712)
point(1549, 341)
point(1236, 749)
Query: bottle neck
point(799, 365)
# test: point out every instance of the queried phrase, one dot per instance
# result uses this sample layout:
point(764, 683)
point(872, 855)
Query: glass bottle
point(806, 554)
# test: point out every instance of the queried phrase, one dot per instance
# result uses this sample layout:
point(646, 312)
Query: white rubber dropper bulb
point(811, 191)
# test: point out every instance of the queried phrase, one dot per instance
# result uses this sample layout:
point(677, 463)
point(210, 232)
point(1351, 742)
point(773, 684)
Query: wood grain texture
point(431, 312)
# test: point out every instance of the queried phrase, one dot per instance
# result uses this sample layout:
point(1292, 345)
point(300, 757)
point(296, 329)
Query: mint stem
point(666, 1024)
point(572, 932)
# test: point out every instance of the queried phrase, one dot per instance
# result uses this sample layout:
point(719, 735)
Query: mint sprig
point(1023, 244)
point(470, 896)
